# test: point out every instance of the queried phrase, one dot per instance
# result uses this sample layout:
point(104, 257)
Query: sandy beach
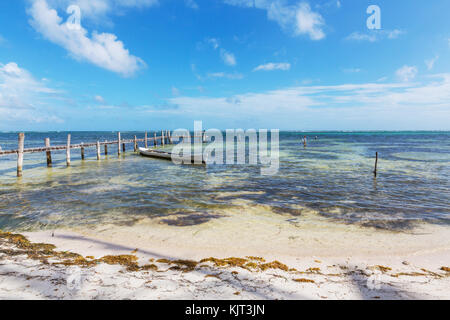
point(265, 259)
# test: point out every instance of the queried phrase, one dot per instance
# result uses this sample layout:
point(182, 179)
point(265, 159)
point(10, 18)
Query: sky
point(162, 64)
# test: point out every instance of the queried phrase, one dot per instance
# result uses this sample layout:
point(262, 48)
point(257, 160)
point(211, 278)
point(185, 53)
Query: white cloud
point(362, 106)
point(352, 70)
point(430, 63)
point(375, 35)
point(101, 49)
point(309, 22)
point(394, 34)
point(233, 76)
point(227, 57)
point(175, 91)
point(22, 97)
point(358, 36)
point(406, 73)
point(98, 10)
point(191, 4)
point(273, 66)
point(298, 19)
point(213, 42)
point(99, 99)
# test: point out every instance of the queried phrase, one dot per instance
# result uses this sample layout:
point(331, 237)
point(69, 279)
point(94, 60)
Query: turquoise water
point(332, 177)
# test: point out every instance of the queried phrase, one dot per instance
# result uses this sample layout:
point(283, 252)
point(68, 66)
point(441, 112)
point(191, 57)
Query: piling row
point(165, 138)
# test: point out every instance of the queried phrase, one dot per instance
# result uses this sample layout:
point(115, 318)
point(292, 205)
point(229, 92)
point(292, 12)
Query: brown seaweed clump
point(180, 265)
point(129, 261)
point(43, 252)
point(274, 265)
point(383, 268)
point(260, 259)
point(304, 280)
point(446, 269)
point(246, 264)
point(228, 262)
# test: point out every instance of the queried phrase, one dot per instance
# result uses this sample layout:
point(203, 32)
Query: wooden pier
point(165, 138)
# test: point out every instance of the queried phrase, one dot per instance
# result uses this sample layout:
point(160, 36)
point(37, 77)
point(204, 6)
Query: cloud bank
point(273, 66)
point(299, 19)
point(101, 49)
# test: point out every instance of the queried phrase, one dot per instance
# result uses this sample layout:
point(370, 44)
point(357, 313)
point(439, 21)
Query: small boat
point(147, 152)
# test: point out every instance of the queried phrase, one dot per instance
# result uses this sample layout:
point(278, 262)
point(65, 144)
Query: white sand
point(346, 256)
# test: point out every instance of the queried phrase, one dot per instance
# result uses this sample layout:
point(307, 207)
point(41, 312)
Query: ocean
point(331, 178)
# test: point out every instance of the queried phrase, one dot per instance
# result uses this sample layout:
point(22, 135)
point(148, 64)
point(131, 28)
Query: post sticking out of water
point(82, 151)
point(123, 147)
point(145, 140)
point(376, 163)
point(204, 136)
point(20, 154)
point(49, 154)
point(135, 144)
point(162, 138)
point(118, 143)
point(98, 150)
point(170, 137)
point(68, 151)
point(154, 141)
point(106, 148)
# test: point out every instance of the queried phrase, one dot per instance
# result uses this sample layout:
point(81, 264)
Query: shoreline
point(176, 263)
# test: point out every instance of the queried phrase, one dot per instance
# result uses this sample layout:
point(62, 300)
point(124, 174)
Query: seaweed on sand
point(304, 280)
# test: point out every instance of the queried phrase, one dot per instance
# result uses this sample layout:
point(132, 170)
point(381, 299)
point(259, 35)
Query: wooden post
point(204, 136)
point(49, 154)
point(106, 148)
point(98, 150)
point(170, 137)
point(68, 150)
point(162, 138)
point(154, 141)
point(20, 154)
point(118, 143)
point(376, 163)
point(82, 151)
point(135, 144)
point(123, 147)
point(145, 140)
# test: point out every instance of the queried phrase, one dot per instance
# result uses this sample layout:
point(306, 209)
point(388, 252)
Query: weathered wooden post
point(204, 136)
point(68, 151)
point(135, 144)
point(49, 154)
point(82, 151)
point(118, 143)
point(106, 147)
point(376, 163)
point(154, 141)
point(98, 150)
point(145, 140)
point(20, 154)
point(170, 137)
point(162, 138)
point(123, 147)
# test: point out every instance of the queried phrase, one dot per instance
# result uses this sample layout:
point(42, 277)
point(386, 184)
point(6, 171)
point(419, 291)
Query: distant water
point(331, 177)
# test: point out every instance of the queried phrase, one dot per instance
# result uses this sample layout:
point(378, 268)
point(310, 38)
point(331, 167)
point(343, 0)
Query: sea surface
point(331, 177)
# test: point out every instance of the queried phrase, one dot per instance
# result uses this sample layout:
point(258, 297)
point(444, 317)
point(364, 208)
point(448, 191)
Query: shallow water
point(332, 178)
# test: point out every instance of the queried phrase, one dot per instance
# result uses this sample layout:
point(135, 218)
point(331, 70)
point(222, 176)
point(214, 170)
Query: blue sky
point(152, 64)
